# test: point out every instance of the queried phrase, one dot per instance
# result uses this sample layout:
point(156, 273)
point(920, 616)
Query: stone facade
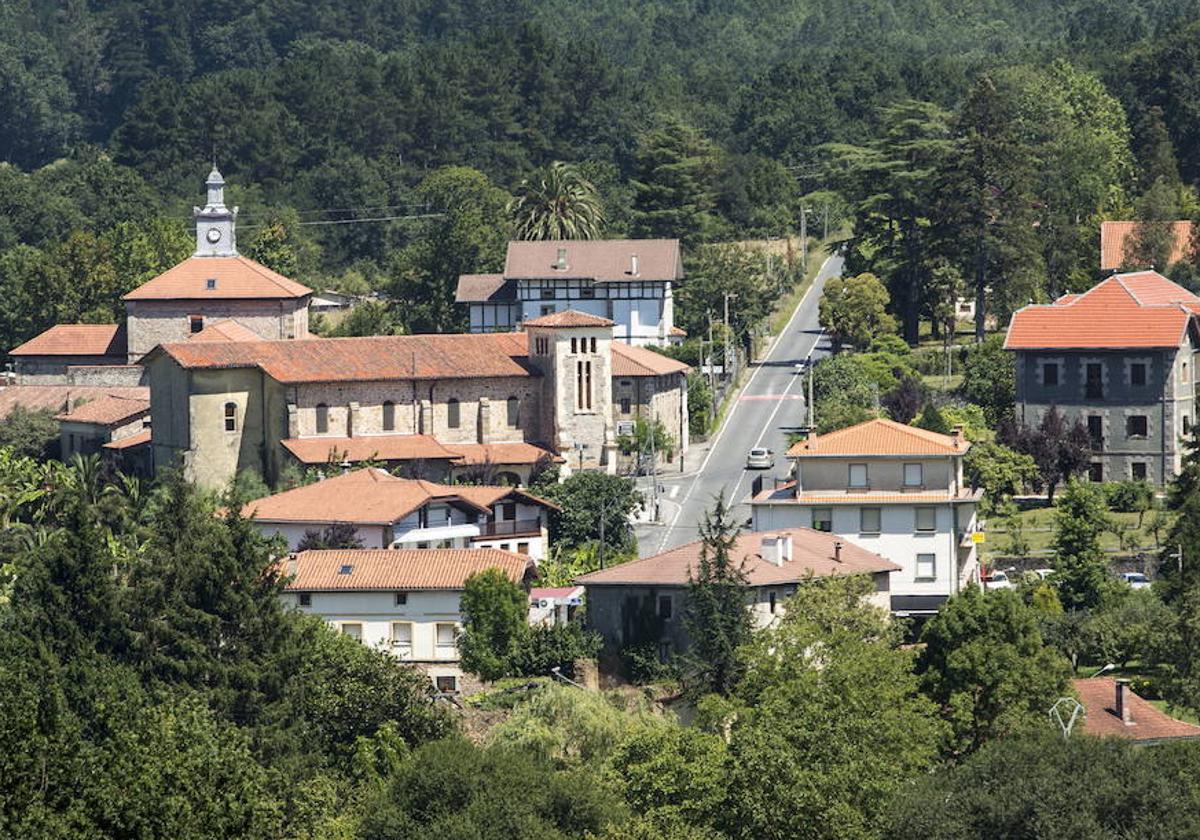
point(74, 370)
point(1137, 404)
point(154, 322)
point(576, 365)
point(662, 398)
point(88, 438)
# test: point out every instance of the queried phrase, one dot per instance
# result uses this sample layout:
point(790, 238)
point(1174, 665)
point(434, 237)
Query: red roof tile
point(638, 361)
point(812, 554)
point(236, 278)
point(107, 411)
point(481, 288)
point(1139, 309)
point(786, 493)
point(1099, 698)
point(879, 438)
point(136, 439)
point(75, 340)
point(1114, 235)
point(371, 358)
point(404, 569)
point(227, 330)
point(501, 453)
point(569, 318)
point(602, 260)
point(61, 397)
point(320, 450)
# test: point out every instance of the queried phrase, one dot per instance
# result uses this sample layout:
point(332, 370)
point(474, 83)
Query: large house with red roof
point(1119, 357)
point(891, 489)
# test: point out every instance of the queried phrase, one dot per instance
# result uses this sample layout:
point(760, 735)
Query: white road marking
point(674, 491)
point(729, 417)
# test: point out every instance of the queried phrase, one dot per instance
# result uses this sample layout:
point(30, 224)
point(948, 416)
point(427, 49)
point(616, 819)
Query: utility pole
point(653, 464)
point(809, 364)
point(803, 238)
point(603, 517)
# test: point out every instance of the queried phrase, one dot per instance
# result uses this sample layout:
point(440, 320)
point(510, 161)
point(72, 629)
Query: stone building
point(494, 405)
point(628, 281)
point(75, 354)
point(1121, 359)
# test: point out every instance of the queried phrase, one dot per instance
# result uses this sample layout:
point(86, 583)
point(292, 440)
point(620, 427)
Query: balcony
point(510, 528)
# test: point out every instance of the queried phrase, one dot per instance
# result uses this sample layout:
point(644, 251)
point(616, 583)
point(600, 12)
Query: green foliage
point(1135, 625)
point(1085, 787)
point(985, 665)
point(1081, 568)
point(494, 611)
point(647, 436)
point(557, 203)
point(1001, 472)
point(337, 535)
point(30, 433)
point(672, 775)
point(716, 270)
point(586, 500)
point(715, 608)
point(674, 168)
point(700, 404)
point(853, 309)
point(989, 379)
point(932, 419)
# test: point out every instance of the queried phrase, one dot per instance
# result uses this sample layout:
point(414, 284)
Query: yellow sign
point(978, 537)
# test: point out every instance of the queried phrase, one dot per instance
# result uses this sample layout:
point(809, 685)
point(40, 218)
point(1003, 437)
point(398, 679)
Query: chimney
point(1124, 712)
point(776, 549)
point(561, 262)
point(291, 565)
point(957, 434)
point(837, 552)
point(633, 265)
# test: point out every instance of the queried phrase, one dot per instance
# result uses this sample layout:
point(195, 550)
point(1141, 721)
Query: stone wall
point(154, 322)
point(74, 370)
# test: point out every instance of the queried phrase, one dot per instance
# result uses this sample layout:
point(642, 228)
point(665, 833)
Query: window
point(625, 405)
point(869, 518)
point(1094, 381)
point(547, 293)
point(402, 637)
point(453, 414)
point(196, 323)
point(858, 475)
point(230, 417)
point(1187, 426)
point(1049, 373)
point(514, 412)
point(210, 283)
point(446, 685)
point(1137, 373)
point(389, 416)
point(1137, 426)
point(914, 475)
point(548, 309)
point(574, 345)
point(1137, 471)
point(346, 570)
point(771, 601)
point(583, 386)
point(1096, 472)
point(926, 519)
point(508, 511)
point(587, 293)
point(522, 548)
point(592, 344)
point(401, 599)
point(926, 567)
point(445, 639)
point(666, 607)
point(322, 419)
point(1095, 427)
point(822, 519)
point(352, 629)
point(305, 599)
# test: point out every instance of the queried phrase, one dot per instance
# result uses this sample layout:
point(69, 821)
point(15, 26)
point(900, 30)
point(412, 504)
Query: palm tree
point(557, 203)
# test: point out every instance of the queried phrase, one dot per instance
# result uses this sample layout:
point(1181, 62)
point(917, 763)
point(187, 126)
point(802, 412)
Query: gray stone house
point(1121, 358)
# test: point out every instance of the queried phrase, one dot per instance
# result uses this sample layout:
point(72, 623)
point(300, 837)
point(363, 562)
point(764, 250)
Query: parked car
point(1043, 573)
point(760, 459)
point(1135, 579)
point(997, 580)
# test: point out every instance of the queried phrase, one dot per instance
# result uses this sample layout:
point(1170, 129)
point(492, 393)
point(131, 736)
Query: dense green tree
point(30, 433)
point(1000, 471)
point(853, 310)
point(714, 271)
point(989, 379)
point(494, 611)
point(557, 203)
point(1153, 238)
point(339, 535)
point(1080, 565)
point(985, 665)
point(674, 174)
point(592, 505)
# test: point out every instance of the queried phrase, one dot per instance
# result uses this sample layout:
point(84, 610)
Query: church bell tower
point(215, 235)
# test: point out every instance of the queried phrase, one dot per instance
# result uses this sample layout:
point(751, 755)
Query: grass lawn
point(1038, 527)
point(940, 383)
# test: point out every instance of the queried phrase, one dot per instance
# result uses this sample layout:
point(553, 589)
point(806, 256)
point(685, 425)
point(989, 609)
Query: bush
point(545, 648)
point(1129, 496)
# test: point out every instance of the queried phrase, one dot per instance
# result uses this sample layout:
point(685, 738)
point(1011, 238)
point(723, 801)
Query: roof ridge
point(264, 272)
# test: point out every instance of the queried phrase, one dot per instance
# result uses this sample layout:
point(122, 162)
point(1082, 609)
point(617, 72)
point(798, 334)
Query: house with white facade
point(403, 602)
point(891, 489)
point(398, 513)
point(629, 281)
point(642, 602)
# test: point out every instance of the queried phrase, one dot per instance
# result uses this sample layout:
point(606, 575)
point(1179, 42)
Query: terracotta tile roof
point(602, 260)
point(236, 278)
point(812, 554)
point(227, 330)
point(136, 439)
point(364, 497)
point(786, 493)
point(483, 288)
point(1114, 235)
point(404, 569)
point(107, 411)
point(501, 453)
point(638, 361)
point(319, 450)
point(1139, 309)
point(554, 592)
point(75, 340)
point(61, 397)
point(487, 495)
point(569, 318)
point(1099, 697)
point(371, 358)
point(879, 438)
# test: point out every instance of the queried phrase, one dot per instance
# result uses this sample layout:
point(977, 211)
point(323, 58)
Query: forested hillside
point(329, 112)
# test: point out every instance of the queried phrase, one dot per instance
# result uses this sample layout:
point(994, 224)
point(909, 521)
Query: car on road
point(1135, 579)
point(759, 458)
point(997, 580)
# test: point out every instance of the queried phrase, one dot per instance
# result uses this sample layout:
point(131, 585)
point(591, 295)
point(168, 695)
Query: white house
point(629, 281)
point(403, 602)
point(391, 512)
point(893, 489)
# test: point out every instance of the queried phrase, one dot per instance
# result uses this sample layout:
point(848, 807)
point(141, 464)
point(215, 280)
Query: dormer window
point(210, 283)
point(345, 570)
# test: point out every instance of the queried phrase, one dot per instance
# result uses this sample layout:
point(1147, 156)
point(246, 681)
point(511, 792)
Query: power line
point(354, 221)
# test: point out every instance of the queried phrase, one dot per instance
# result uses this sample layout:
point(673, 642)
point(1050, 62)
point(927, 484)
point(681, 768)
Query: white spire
point(215, 232)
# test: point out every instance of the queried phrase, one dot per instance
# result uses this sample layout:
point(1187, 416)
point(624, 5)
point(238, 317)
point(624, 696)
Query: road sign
point(978, 537)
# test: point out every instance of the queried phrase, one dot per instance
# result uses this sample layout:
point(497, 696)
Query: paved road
point(769, 405)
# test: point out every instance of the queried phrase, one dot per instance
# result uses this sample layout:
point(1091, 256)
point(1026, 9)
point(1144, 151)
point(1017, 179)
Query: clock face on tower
point(214, 235)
